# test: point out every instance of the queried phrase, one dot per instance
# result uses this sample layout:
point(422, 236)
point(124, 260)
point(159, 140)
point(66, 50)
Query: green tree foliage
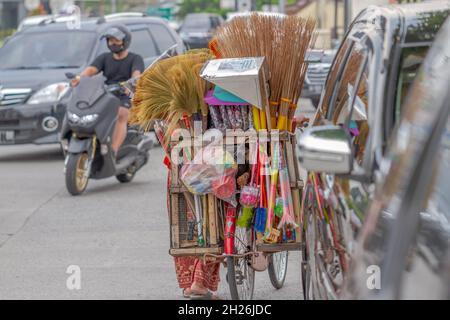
point(213, 6)
point(194, 6)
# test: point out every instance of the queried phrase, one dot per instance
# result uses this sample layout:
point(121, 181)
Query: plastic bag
point(213, 170)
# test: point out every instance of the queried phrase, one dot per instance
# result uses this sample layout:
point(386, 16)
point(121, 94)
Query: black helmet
point(119, 32)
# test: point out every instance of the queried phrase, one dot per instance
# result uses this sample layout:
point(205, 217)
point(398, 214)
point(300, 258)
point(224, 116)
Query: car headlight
point(51, 93)
point(83, 120)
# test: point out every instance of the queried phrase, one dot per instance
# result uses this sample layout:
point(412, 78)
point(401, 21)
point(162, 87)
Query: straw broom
point(283, 41)
point(253, 36)
point(299, 34)
point(162, 93)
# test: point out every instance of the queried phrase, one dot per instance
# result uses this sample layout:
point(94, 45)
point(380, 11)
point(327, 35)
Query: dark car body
point(198, 29)
point(407, 231)
point(71, 50)
point(365, 90)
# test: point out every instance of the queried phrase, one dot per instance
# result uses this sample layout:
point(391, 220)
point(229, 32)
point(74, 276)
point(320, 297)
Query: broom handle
point(274, 105)
point(273, 183)
point(273, 194)
point(262, 122)
point(198, 216)
point(283, 114)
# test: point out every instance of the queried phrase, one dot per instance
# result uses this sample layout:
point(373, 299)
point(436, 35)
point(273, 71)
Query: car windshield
point(47, 50)
point(197, 22)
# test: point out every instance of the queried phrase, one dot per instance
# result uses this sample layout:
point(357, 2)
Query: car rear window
point(143, 44)
point(197, 22)
point(162, 36)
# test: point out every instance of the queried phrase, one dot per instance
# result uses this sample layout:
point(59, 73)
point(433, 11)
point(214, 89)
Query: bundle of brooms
point(283, 40)
point(172, 91)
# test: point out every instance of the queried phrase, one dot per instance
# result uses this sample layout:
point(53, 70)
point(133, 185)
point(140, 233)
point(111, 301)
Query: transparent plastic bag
point(213, 170)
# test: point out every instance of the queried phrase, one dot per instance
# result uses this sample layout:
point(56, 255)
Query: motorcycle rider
point(117, 65)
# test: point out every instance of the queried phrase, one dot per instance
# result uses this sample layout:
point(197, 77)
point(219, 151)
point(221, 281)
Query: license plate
point(7, 137)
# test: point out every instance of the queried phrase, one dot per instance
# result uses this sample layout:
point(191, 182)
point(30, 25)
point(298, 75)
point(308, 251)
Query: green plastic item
point(279, 207)
point(245, 219)
point(226, 96)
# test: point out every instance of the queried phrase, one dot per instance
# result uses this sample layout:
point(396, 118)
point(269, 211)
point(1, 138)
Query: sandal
point(185, 295)
point(207, 296)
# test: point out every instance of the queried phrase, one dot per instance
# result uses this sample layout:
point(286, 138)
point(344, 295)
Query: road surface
point(117, 235)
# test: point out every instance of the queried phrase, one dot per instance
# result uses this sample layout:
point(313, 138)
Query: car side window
point(143, 44)
point(213, 22)
point(162, 36)
point(439, 200)
point(411, 60)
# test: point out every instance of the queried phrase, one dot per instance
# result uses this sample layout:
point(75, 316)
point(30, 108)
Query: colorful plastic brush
point(271, 234)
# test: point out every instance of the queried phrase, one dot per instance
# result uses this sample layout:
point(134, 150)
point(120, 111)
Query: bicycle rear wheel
point(278, 263)
point(240, 274)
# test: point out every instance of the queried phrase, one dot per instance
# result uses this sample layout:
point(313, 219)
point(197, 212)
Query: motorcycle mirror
point(70, 75)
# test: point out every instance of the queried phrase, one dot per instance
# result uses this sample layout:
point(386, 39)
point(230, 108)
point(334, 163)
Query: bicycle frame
point(230, 228)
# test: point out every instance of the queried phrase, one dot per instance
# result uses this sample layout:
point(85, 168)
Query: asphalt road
point(118, 235)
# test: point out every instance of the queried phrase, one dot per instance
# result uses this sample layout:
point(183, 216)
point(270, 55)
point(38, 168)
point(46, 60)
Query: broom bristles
point(170, 90)
point(282, 40)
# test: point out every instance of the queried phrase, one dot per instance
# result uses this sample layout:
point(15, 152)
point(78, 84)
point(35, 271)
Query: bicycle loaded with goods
point(224, 116)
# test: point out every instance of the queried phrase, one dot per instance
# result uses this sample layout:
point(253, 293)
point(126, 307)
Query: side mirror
point(326, 149)
point(70, 75)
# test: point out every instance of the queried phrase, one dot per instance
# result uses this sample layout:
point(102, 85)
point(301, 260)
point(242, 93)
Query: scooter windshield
point(88, 91)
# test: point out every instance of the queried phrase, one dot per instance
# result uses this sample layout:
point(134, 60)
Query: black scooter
point(87, 136)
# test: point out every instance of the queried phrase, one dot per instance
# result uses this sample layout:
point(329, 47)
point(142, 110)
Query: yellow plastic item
point(256, 118)
point(282, 123)
point(262, 117)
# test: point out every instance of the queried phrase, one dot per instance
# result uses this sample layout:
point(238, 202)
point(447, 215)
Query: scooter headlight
point(73, 118)
point(89, 119)
point(83, 120)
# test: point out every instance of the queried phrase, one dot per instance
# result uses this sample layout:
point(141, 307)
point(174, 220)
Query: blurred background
point(332, 15)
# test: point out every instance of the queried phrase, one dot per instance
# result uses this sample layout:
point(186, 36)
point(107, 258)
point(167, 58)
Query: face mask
point(115, 48)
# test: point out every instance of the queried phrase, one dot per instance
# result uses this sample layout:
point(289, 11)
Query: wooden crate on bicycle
point(194, 220)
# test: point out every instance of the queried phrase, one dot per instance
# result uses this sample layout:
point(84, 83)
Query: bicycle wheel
point(322, 270)
point(278, 263)
point(308, 262)
point(240, 274)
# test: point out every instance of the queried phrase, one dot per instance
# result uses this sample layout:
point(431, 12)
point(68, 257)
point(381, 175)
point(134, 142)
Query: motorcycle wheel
point(76, 168)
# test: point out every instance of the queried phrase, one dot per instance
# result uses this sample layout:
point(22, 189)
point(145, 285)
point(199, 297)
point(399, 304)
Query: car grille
point(13, 96)
point(317, 74)
point(9, 123)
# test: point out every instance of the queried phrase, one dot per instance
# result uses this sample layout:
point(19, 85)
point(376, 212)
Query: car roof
point(98, 25)
point(413, 22)
point(201, 14)
point(232, 15)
